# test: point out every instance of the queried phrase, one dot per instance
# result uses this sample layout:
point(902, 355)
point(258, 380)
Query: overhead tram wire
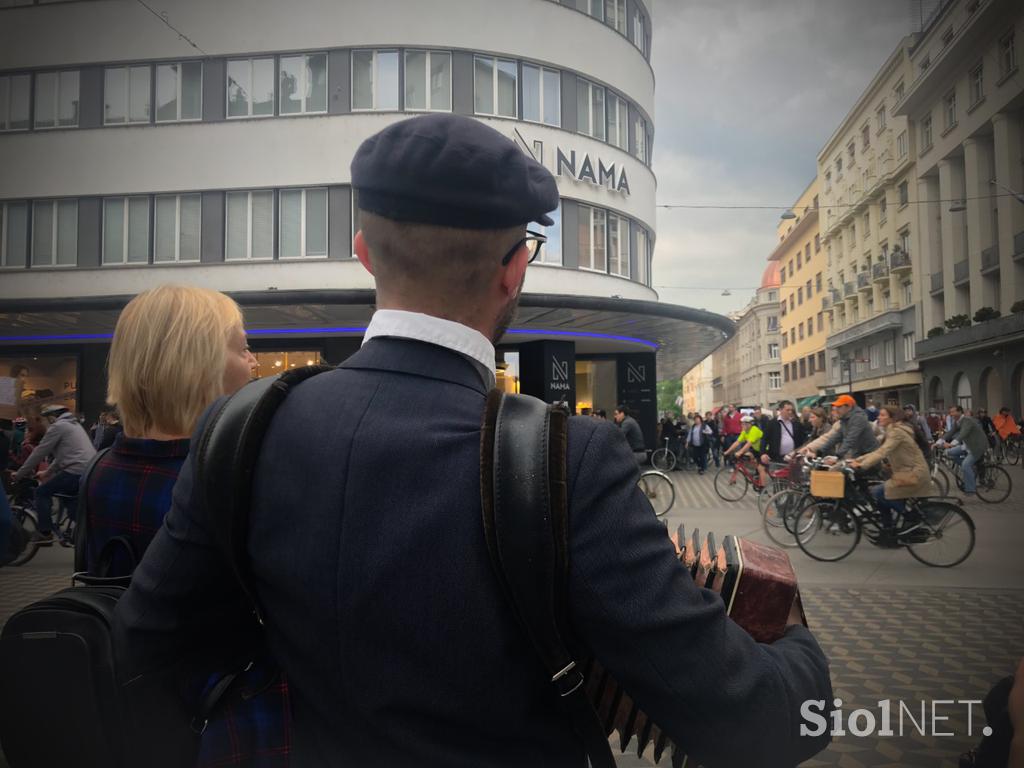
point(181, 35)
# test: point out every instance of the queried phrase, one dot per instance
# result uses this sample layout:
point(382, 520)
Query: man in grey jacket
point(972, 445)
point(634, 436)
point(854, 436)
point(71, 449)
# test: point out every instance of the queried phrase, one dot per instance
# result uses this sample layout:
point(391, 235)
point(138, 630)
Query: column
point(547, 370)
point(926, 257)
point(637, 375)
point(92, 380)
point(951, 187)
point(1009, 172)
point(980, 234)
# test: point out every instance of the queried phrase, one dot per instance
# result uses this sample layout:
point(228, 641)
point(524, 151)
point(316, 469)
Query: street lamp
point(958, 206)
point(788, 214)
point(1017, 195)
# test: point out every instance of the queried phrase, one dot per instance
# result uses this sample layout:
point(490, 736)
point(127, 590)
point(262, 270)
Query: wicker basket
point(828, 485)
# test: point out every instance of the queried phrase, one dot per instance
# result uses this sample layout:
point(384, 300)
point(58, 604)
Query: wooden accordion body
point(758, 586)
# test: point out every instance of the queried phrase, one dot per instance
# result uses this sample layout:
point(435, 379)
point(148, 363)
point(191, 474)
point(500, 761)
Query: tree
point(668, 391)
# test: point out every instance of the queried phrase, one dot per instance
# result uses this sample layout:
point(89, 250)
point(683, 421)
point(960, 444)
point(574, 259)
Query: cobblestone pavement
point(891, 627)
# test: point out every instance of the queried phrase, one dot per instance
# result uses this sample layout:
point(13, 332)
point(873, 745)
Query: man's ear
point(512, 274)
point(362, 251)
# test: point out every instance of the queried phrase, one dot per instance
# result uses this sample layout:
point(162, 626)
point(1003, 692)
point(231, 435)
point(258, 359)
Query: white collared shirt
point(434, 330)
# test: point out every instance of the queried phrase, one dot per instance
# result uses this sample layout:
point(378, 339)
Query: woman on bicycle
point(910, 477)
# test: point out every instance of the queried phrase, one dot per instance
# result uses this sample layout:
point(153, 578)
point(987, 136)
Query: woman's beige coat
point(910, 476)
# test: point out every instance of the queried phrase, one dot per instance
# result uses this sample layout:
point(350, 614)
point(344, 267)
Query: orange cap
point(844, 400)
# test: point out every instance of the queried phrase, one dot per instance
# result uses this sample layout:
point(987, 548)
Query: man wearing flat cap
point(381, 604)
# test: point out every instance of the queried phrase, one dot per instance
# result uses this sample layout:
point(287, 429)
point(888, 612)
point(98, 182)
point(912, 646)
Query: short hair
point(458, 260)
point(783, 403)
point(621, 409)
point(957, 408)
point(167, 358)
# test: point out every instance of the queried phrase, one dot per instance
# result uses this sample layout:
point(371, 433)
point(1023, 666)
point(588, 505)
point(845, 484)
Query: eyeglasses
point(534, 240)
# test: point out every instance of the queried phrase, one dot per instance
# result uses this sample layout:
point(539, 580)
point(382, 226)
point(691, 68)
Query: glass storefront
point(272, 363)
point(596, 386)
point(28, 383)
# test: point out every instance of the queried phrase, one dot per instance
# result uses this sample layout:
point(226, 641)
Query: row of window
point(802, 257)
point(796, 299)
point(298, 84)
point(804, 367)
point(613, 13)
point(258, 225)
point(790, 338)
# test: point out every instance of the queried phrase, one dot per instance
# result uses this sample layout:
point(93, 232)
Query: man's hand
point(765, 458)
point(853, 463)
point(831, 460)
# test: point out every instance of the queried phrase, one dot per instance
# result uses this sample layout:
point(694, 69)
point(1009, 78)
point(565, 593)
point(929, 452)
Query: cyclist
point(750, 440)
point(967, 445)
point(1006, 426)
point(72, 450)
point(853, 436)
point(910, 476)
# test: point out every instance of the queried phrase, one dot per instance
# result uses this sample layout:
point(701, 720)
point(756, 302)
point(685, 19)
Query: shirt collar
point(435, 330)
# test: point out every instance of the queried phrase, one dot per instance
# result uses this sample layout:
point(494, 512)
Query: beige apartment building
point(802, 270)
point(869, 232)
point(964, 98)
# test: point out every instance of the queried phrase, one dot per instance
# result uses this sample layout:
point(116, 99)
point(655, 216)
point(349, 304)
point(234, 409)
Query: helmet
point(746, 418)
point(53, 410)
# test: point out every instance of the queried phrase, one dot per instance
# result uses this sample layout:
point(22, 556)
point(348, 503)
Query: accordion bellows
point(758, 586)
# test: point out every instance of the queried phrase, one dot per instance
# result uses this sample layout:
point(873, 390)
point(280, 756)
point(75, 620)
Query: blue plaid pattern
point(129, 494)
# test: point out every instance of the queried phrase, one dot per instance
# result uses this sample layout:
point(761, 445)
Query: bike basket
point(828, 485)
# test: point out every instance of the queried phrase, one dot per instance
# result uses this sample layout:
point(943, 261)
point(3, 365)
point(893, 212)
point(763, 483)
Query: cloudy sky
point(748, 91)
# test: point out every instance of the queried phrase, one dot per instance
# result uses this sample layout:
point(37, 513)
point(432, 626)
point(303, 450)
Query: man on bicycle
point(854, 437)
point(967, 445)
point(72, 450)
point(1006, 426)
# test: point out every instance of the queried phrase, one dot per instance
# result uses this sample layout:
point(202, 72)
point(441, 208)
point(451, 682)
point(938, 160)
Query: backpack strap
point(226, 462)
point(524, 497)
point(82, 521)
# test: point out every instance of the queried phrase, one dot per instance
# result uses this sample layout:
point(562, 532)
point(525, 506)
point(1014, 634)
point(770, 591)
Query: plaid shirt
point(129, 494)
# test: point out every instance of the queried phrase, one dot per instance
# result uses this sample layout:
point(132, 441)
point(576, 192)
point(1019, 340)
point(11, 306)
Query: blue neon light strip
point(290, 331)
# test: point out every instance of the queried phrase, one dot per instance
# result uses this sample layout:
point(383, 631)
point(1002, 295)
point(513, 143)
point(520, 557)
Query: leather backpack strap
point(525, 515)
point(82, 521)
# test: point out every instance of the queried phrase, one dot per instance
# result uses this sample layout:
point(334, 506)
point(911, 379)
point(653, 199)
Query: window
point(302, 224)
point(783, 310)
point(54, 233)
point(56, 100)
point(908, 294)
point(800, 328)
point(865, 137)
point(1007, 55)
point(785, 340)
point(13, 234)
point(821, 362)
point(640, 129)
point(898, 91)
point(947, 37)
point(126, 95)
point(250, 87)
point(803, 368)
point(177, 227)
point(851, 150)
point(925, 62)
point(908, 347)
point(551, 251)
point(592, 239)
point(901, 145)
point(542, 95)
point(15, 95)
point(774, 380)
point(890, 352)
point(821, 322)
point(799, 259)
point(817, 243)
point(590, 114)
point(839, 168)
point(618, 122)
point(303, 84)
point(905, 240)
point(428, 82)
point(126, 230)
point(926, 133)
point(828, 183)
point(179, 91)
point(596, 9)
point(873, 356)
point(977, 83)
point(810, 326)
point(800, 295)
point(618, 245)
point(867, 223)
point(883, 209)
point(880, 118)
point(792, 302)
point(807, 290)
point(785, 373)
point(817, 282)
point(792, 335)
point(807, 252)
point(375, 81)
point(615, 15)
point(250, 225)
point(640, 32)
point(790, 267)
point(949, 108)
point(773, 324)
point(642, 255)
point(810, 364)
point(904, 190)
point(773, 351)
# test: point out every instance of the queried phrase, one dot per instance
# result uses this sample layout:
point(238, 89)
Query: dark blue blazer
point(384, 612)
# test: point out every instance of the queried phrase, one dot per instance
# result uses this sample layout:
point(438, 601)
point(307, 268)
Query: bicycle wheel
point(779, 516)
point(663, 459)
point(730, 483)
point(940, 480)
point(1012, 450)
point(659, 490)
point(944, 536)
point(994, 484)
point(26, 519)
point(830, 531)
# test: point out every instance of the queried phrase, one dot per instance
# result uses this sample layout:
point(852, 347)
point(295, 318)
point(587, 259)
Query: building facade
point(698, 387)
point(214, 149)
point(802, 274)
point(870, 234)
point(964, 99)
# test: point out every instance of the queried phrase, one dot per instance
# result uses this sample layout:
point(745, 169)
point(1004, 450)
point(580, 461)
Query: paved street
point(892, 627)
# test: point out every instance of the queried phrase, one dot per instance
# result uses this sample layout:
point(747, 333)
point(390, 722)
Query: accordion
point(758, 586)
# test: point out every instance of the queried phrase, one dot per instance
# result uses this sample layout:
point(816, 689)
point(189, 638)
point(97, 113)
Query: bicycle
point(733, 480)
point(664, 459)
point(23, 513)
point(992, 483)
point(935, 531)
point(659, 490)
point(1008, 451)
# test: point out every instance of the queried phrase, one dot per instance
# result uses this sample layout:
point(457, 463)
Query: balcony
point(936, 289)
point(888, 321)
point(864, 281)
point(837, 297)
point(1002, 330)
point(826, 303)
point(849, 291)
point(961, 273)
point(880, 272)
point(990, 260)
point(899, 262)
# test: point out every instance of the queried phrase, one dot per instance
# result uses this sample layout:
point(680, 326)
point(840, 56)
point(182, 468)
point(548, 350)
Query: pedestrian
point(872, 411)
point(784, 435)
point(731, 428)
point(380, 599)
point(698, 440)
point(715, 441)
point(761, 418)
point(632, 432)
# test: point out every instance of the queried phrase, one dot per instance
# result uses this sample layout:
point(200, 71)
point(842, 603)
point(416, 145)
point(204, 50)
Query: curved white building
point(211, 145)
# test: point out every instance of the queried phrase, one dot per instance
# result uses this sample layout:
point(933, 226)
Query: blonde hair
point(167, 358)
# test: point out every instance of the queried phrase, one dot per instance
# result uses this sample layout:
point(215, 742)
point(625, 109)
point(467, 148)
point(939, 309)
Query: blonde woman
point(176, 349)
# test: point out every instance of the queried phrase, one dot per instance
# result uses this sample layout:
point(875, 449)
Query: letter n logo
point(636, 374)
point(559, 370)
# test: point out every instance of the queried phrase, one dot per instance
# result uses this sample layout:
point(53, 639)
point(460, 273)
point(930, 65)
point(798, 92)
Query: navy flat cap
point(451, 171)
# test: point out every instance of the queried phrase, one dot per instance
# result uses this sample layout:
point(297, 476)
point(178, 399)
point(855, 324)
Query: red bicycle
point(732, 482)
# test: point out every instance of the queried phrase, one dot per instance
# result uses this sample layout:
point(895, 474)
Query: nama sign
point(579, 166)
